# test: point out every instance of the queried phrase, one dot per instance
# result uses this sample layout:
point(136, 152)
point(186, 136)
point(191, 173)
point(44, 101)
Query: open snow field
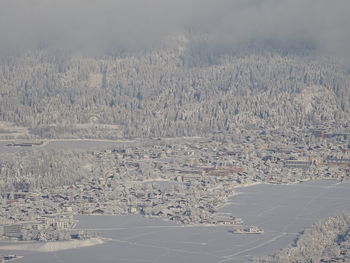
point(282, 211)
point(52, 246)
point(82, 144)
point(61, 144)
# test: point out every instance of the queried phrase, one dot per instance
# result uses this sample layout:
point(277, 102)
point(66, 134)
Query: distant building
point(347, 171)
point(299, 164)
point(344, 136)
point(319, 132)
point(191, 178)
point(11, 231)
point(338, 162)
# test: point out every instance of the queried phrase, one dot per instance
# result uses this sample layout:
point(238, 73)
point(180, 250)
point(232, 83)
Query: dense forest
point(327, 241)
point(35, 170)
point(175, 90)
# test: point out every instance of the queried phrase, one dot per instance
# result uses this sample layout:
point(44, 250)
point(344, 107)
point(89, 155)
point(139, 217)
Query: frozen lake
point(282, 211)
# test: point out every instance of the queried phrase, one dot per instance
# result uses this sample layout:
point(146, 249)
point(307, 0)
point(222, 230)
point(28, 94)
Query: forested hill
point(327, 241)
point(171, 92)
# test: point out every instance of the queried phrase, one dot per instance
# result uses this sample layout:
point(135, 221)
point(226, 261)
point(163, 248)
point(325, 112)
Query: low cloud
point(98, 26)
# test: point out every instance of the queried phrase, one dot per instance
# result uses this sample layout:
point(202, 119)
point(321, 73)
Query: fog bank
point(98, 26)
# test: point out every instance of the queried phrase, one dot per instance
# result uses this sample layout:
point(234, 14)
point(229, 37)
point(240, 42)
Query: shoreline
point(248, 185)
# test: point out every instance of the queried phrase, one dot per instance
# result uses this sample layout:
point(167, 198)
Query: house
point(98, 212)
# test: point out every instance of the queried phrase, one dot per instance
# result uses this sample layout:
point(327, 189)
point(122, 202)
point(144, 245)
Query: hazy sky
point(95, 25)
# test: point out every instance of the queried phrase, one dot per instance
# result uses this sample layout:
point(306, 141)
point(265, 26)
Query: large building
point(11, 231)
point(300, 164)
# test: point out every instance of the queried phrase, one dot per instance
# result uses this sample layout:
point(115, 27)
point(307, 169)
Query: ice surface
point(282, 211)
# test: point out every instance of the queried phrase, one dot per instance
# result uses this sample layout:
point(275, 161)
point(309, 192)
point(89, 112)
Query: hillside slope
point(169, 92)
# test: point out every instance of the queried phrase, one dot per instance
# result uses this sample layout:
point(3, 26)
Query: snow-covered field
point(62, 144)
point(77, 144)
point(282, 211)
point(52, 246)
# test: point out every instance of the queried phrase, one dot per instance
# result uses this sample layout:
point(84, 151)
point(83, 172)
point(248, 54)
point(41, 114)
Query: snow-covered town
point(174, 131)
point(184, 181)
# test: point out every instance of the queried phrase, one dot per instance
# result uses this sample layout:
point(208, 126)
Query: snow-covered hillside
point(172, 91)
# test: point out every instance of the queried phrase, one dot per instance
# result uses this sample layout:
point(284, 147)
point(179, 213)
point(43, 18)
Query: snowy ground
point(52, 246)
point(10, 130)
point(80, 144)
point(282, 211)
point(62, 144)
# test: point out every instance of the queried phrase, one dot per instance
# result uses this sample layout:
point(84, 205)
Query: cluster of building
point(182, 180)
point(48, 227)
